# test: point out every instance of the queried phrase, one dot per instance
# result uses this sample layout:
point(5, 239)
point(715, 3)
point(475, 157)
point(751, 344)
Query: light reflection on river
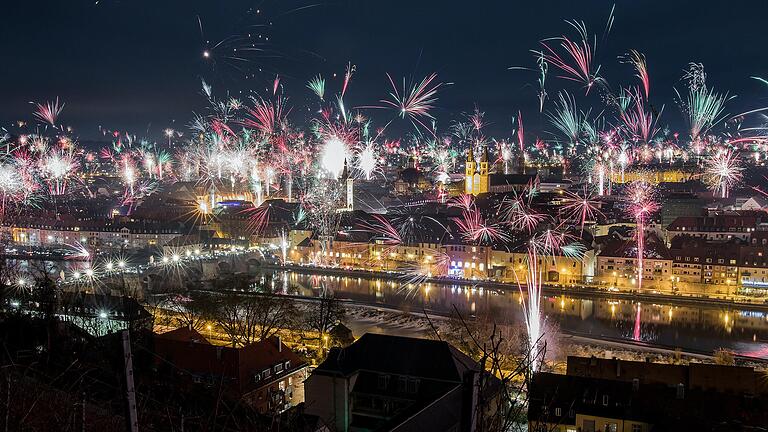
point(692, 328)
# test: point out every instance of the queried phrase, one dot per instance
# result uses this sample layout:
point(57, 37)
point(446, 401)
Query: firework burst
point(723, 171)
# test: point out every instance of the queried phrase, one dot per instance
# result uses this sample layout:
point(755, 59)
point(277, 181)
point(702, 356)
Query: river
point(693, 328)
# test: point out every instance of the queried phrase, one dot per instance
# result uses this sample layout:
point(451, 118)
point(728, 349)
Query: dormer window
point(383, 382)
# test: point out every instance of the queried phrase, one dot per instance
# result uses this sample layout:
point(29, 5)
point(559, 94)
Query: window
point(611, 427)
point(278, 368)
point(266, 373)
point(383, 382)
point(558, 412)
point(637, 428)
point(588, 426)
point(605, 400)
point(413, 386)
point(287, 365)
point(402, 384)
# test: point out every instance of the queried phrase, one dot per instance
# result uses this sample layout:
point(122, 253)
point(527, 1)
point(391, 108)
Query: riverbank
point(377, 319)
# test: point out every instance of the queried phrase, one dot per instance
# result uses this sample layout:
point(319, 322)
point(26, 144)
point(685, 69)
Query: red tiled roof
point(719, 222)
point(238, 365)
point(184, 334)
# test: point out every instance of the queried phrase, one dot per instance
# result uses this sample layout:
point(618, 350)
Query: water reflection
point(694, 328)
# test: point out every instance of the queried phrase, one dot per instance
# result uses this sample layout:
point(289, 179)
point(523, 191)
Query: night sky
point(136, 65)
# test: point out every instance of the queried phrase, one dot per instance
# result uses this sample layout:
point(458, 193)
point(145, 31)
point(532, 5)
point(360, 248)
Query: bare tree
point(507, 367)
point(323, 315)
point(191, 310)
point(273, 313)
point(251, 318)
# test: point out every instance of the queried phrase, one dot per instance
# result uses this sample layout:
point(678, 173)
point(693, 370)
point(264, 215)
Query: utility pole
point(7, 400)
point(82, 412)
point(130, 390)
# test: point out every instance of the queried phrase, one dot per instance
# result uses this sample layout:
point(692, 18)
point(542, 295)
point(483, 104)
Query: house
point(702, 266)
point(617, 263)
point(719, 226)
point(396, 383)
point(629, 396)
point(757, 202)
point(265, 375)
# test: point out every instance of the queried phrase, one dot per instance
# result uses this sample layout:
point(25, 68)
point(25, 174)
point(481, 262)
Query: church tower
point(477, 177)
point(350, 183)
point(484, 171)
point(470, 173)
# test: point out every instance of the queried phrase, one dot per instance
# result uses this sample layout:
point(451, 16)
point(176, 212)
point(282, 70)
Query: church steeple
point(476, 180)
point(345, 172)
point(349, 204)
point(484, 165)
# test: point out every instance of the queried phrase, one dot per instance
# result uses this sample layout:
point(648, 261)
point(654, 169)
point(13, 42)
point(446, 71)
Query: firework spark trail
point(531, 304)
point(723, 170)
point(518, 214)
point(540, 249)
point(12, 187)
point(463, 201)
point(382, 229)
point(641, 206)
point(267, 117)
point(474, 228)
point(580, 53)
point(347, 77)
point(56, 168)
point(582, 206)
point(415, 102)
point(567, 119)
point(704, 108)
point(543, 69)
point(317, 85)
point(639, 124)
point(49, 112)
point(637, 60)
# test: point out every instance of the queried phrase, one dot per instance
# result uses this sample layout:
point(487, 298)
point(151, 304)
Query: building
point(477, 173)
point(478, 178)
point(675, 205)
point(629, 396)
point(720, 226)
point(410, 180)
point(704, 266)
point(654, 175)
point(109, 234)
point(349, 188)
point(395, 383)
point(265, 375)
point(617, 264)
